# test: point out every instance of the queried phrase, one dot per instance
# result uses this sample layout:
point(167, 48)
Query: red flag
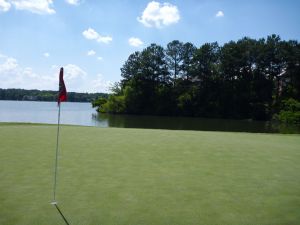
point(62, 93)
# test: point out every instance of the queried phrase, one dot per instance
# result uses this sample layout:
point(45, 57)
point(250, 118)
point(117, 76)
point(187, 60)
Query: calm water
point(84, 114)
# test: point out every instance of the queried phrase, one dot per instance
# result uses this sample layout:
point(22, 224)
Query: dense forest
point(244, 79)
point(37, 95)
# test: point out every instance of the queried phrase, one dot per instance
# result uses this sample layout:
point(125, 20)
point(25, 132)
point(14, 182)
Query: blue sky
point(92, 39)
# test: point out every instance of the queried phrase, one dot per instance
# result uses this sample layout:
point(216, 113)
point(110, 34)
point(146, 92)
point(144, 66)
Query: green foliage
point(259, 111)
point(246, 79)
point(290, 112)
point(115, 104)
point(131, 99)
point(116, 89)
point(97, 103)
point(186, 101)
point(183, 100)
point(291, 105)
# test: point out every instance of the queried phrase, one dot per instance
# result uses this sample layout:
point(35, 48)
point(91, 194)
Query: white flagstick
point(62, 96)
point(56, 157)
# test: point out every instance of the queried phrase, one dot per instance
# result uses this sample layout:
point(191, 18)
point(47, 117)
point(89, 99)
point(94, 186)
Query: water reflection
point(186, 123)
point(83, 114)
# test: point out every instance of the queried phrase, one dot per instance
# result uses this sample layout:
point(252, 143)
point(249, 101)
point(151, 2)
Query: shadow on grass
point(62, 215)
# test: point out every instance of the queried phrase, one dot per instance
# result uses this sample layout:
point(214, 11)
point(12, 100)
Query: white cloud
point(8, 64)
point(75, 77)
point(34, 6)
point(220, 14)
point(73, 72)
point(159, 15)
point(4, 5)
point(28, 72)
point(13, 75)
point(46, 54)
point(100, 84)
point(135, 42)
point(104, 39)
point(91, 52)
point(91, 34)
point(73, 2)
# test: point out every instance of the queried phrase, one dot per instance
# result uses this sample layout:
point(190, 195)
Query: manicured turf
point(134, 176)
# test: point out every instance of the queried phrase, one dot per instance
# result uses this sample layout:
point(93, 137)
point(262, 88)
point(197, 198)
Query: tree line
point(37, 95)
point(244, 79)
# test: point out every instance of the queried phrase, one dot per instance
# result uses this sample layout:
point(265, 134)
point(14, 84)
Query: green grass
point(135, 176)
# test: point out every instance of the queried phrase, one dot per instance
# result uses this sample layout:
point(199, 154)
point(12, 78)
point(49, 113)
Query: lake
point(75, 113)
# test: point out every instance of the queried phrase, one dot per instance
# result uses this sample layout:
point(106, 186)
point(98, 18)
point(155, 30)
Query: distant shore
point(46, 95)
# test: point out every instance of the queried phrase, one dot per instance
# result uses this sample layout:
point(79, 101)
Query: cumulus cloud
point(73, 72)
point(91, 52)
point(104, 39)
point(46, 54)
point(220, 14)
point(34, 6)
point(4, 5)
point(100, 84)
point(135, 42)
point(14, 75)
point(159, 15)
point(91, 34)
point(75, 77)
point(73, 2)
point(7, 64)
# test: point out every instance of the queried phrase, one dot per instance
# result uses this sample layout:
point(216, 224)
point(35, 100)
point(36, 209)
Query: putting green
point(139, 176)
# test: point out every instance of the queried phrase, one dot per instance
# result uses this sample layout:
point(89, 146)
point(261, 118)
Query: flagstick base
point(53, 203)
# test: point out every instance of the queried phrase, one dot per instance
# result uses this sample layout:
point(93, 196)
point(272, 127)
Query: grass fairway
point(160, 177)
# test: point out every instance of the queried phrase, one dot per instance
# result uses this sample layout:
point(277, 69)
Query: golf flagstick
point(56, 157)
point(62, 96)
